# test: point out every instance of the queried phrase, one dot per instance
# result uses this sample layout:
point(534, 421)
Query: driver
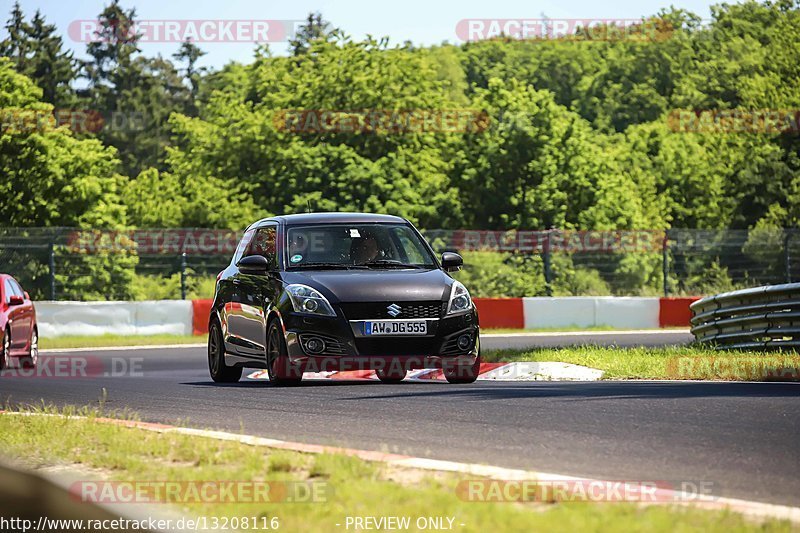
point(364, 249)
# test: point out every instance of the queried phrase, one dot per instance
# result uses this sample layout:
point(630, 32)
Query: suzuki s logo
point(394, 310)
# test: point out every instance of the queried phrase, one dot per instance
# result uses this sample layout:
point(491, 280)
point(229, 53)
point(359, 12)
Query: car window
point(243, 244)
point(349, 244)
point(264, 244)
point(17, 289)
point(411, 248)
point(8, 290)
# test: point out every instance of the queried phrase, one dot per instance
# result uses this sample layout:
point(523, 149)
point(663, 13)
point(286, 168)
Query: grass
point(353, 487)
point(117, 340)
point(672, 362)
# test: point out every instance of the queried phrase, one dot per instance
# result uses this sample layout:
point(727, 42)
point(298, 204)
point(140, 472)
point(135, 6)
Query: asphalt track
point(741, 439)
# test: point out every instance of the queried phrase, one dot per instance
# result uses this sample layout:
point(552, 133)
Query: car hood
point(375, 285)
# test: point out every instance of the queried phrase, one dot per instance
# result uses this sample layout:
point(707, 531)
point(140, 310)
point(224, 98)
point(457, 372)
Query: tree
point(189, 54)
point(135, 94)
point(540, 166)
point(50, 177)
point(17, 46)
point(315, 29)
point(38, 52)
point(242, 144)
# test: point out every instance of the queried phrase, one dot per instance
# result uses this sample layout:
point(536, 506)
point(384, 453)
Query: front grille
point(378, 310)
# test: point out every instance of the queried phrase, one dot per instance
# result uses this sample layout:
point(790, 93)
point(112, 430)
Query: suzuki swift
point(322, 292)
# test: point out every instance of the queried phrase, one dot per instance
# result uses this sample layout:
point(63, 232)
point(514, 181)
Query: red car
point(17, 325)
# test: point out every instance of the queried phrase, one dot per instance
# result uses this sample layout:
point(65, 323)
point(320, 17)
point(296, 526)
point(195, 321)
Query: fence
point(80, 264)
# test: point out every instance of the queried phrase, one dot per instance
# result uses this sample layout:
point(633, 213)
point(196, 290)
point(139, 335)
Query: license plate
point(396, 327)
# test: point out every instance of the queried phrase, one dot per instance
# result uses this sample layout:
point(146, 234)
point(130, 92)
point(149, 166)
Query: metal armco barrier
point(756, 319)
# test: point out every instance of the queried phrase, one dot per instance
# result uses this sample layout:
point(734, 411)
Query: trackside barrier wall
point(629, 313)
point(56, 319)
point(675, 312)
point(185, 317)
point(500, 312)
point(201, 312)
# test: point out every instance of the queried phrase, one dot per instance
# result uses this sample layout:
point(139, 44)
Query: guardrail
point(760, 318)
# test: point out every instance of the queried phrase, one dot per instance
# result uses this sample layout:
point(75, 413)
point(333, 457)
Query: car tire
point(281, 371)
point(5, 348)
point(32, 359)
point(391, 376)
point(462, 374)
point(220, 372)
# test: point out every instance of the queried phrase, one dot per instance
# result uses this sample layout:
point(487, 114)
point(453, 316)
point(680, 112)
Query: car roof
point(333, 218)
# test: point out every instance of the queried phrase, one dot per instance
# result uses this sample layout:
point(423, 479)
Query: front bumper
point(345, 349)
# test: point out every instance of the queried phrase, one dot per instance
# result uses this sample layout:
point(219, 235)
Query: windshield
point(357, 245)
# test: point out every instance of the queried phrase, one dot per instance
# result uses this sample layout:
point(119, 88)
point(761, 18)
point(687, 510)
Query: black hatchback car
point(323, 292)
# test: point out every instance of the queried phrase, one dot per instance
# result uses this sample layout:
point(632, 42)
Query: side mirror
point(451, 262)
point(16, 300)
point(27, 296)
point(253, 264)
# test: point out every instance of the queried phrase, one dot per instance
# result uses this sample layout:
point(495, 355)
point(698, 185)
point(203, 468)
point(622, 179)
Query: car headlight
point(460, 300)
point(308, 300)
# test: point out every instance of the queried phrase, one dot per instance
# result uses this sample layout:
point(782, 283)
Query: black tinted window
point(354, 244)
point(264, 243)
point(243, 244)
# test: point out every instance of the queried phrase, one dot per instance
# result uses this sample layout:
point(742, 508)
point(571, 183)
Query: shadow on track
point(578, 391)
point(263, 383)
point(583, 391)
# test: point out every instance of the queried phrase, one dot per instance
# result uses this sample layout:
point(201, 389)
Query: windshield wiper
point(392, 263)
point(330, 266)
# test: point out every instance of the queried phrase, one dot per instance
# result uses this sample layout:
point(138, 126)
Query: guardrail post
point(665, 263)
point(548, 272)
point(183, 276)
point(787, 255)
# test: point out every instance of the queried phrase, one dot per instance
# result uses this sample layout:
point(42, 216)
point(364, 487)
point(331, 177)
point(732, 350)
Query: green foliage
point(50, 178)
point(492, 274)
point(103, 275)
point(168, 287)
point(36, 50)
